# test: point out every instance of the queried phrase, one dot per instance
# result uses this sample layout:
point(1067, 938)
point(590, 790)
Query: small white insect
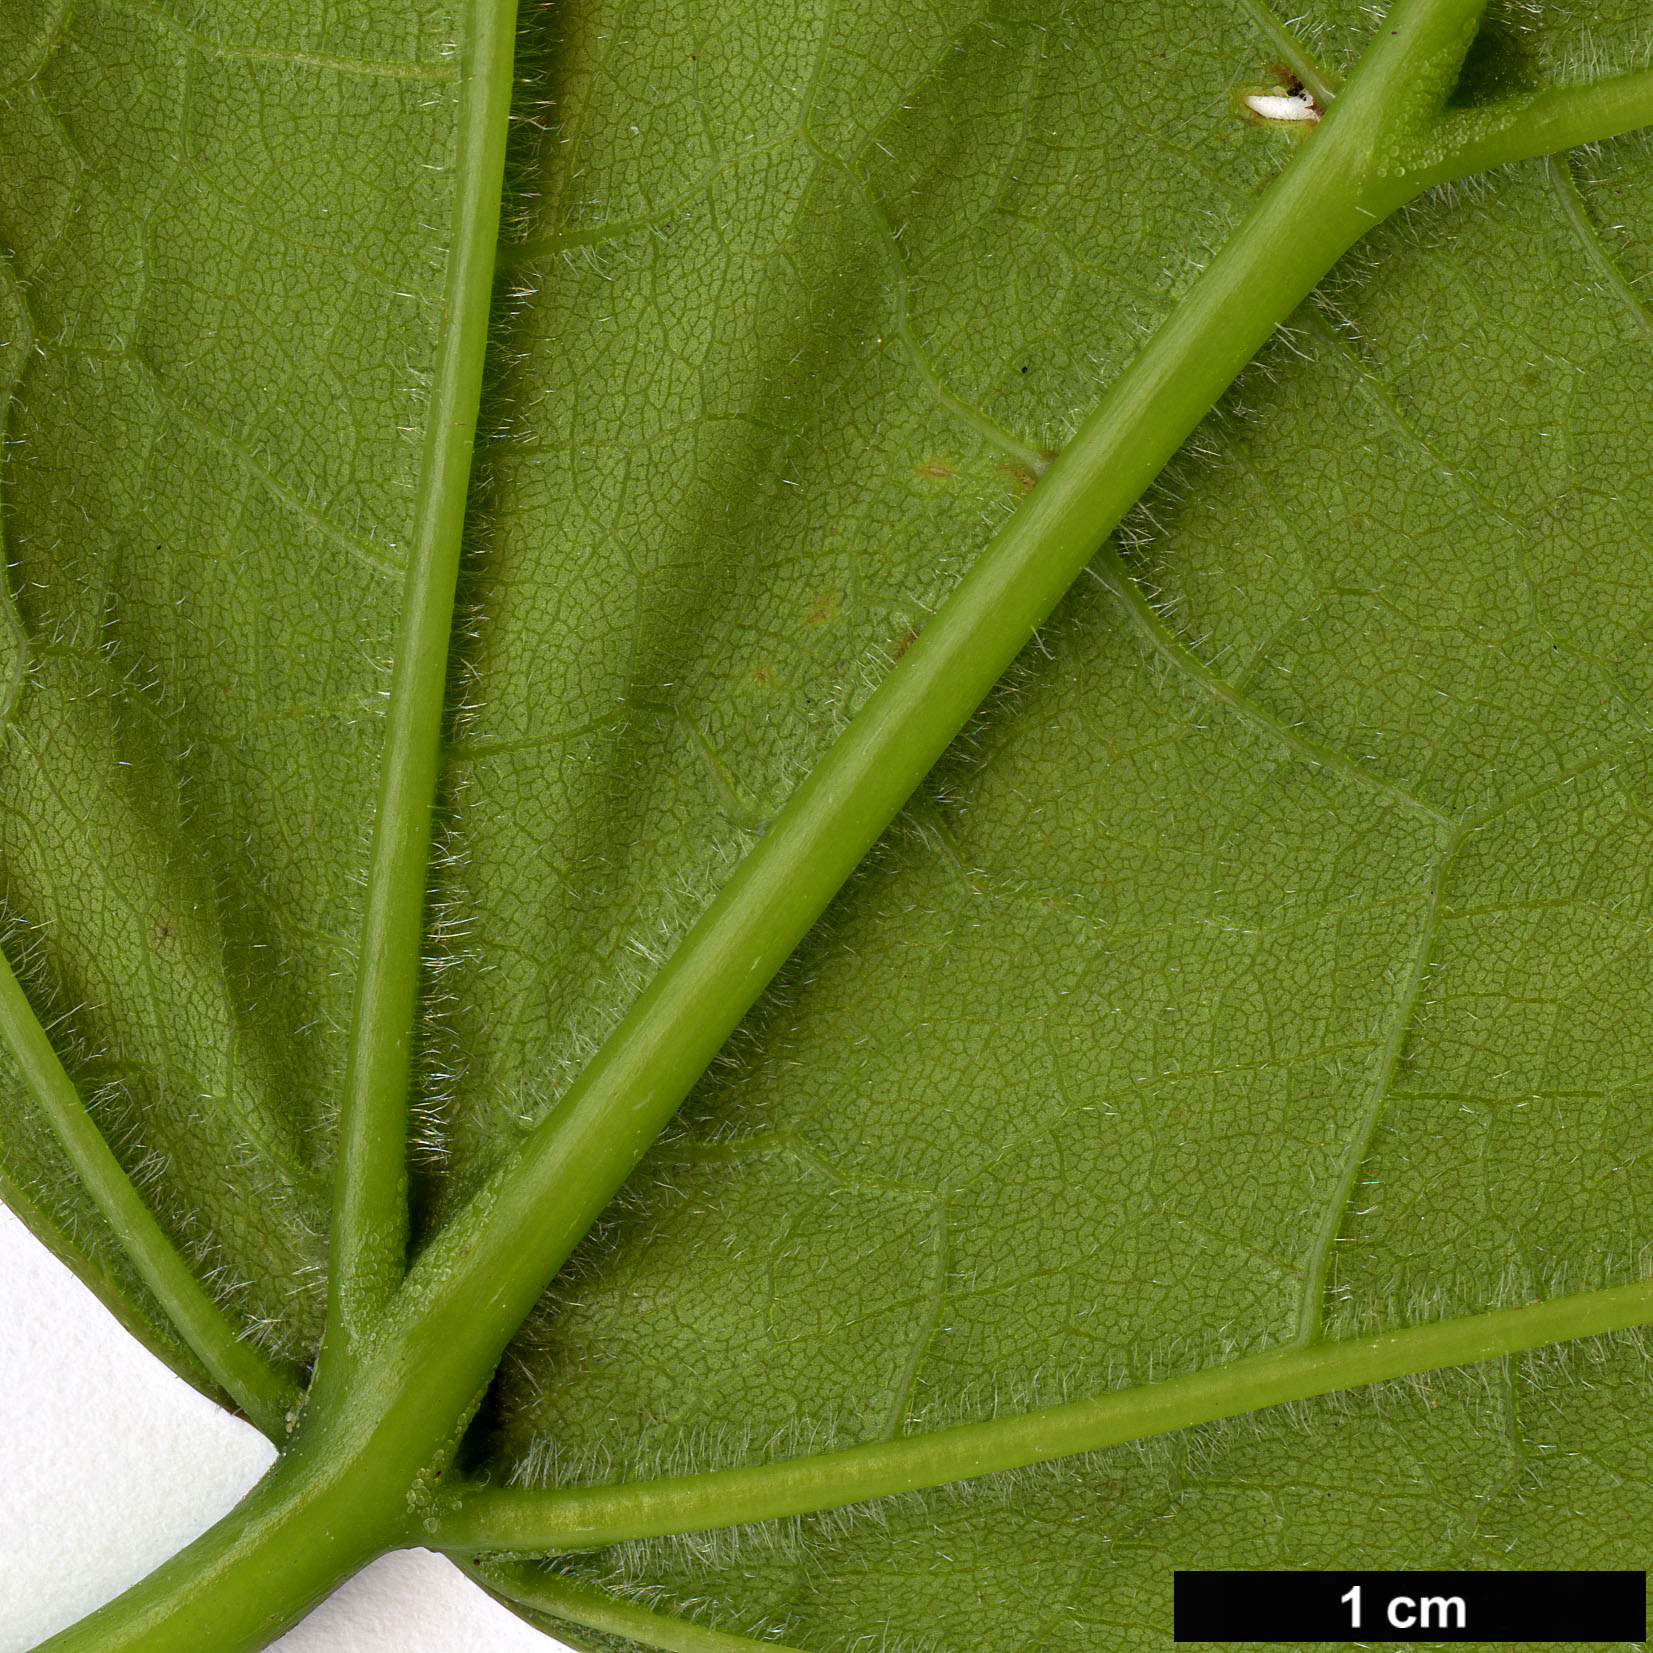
point(1284, 106)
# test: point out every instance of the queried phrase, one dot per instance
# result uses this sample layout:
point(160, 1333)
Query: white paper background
point(109, 1464)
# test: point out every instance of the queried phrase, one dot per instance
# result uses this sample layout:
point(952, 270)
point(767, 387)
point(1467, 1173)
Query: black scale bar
point(1411, 1607)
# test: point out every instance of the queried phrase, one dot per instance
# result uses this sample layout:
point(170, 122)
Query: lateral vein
point(564, 1519)
point(1109, 569)
point(370, 1216)
point(437, 72)
point(1311, 1311)
point(263, 1393)
point(1571, 199)
point(562, 1597)
point(1322, 82)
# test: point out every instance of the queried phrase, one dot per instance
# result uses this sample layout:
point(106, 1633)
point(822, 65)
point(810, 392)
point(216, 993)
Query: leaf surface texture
point(1163, 1025)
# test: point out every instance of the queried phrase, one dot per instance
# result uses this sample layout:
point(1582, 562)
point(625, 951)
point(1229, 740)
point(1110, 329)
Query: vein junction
point(409, 1348)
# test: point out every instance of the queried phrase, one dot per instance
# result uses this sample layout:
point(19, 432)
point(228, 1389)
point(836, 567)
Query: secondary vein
point(1317, 1268)
point(562, 1597)
point(558, 1520)
point(1322, 82)
point(1567, 193)
point(482, 1273)
point(370, 1219)
point(1109, 569)
point(263, 1393)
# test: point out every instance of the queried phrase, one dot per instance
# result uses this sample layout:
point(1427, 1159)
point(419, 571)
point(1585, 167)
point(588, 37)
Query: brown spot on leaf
point(934, 469)
point(823, 610)
point(1021, 476)
point(908, 638)
point(761, 674)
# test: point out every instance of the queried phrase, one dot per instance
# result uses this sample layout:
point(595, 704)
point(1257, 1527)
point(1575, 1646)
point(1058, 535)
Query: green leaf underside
point(1143, 1035)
